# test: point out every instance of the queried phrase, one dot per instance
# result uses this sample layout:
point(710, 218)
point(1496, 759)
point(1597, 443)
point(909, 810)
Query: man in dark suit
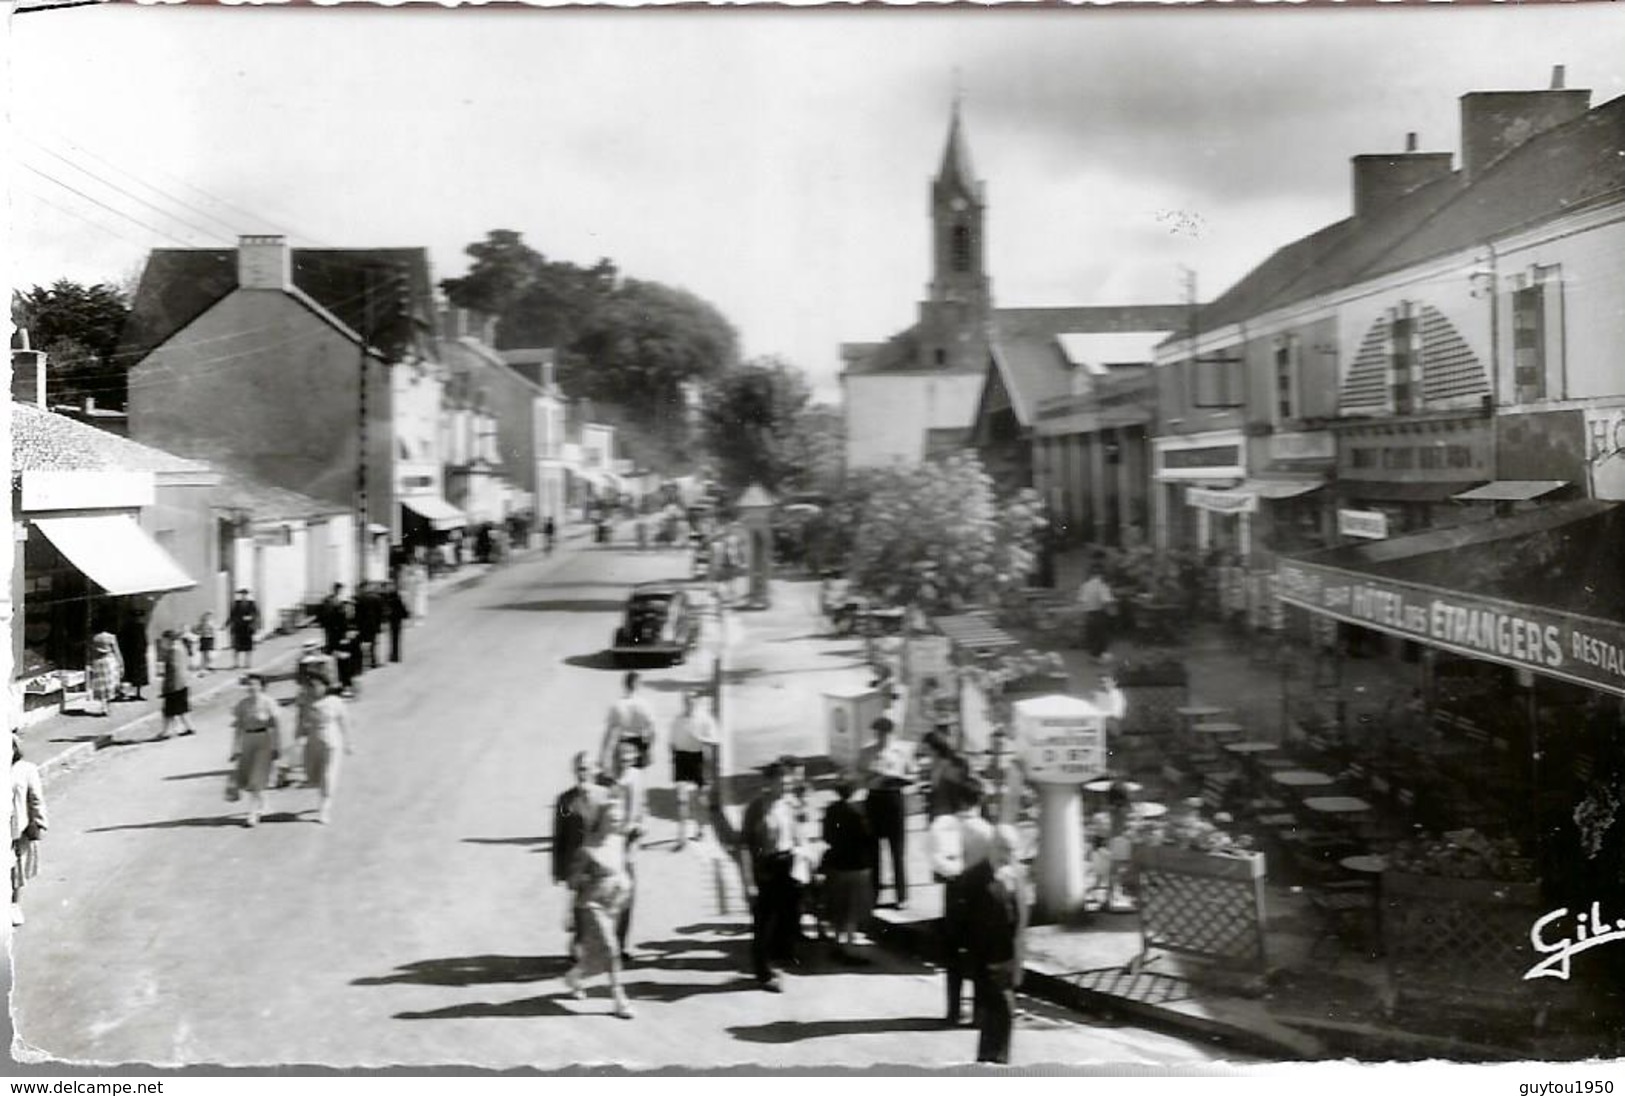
point(244, 624)
point(996, 915)
point(369, 619)
point(768, 834)
point(395, 614)
point(573, 814)
point(334, 618)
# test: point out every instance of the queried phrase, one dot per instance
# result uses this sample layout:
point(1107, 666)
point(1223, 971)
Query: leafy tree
point(935, 535)
point(77, 326)
point(646, 341)
point(755, 420)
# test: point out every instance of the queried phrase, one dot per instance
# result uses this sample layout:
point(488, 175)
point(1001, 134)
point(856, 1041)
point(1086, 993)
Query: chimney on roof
point(1493, 123)
point(264, 262)
point(28, 373)
point(1380, 179)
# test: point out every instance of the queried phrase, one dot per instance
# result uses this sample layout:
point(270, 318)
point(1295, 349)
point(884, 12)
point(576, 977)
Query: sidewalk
point(1317, 999)
point(60, 741)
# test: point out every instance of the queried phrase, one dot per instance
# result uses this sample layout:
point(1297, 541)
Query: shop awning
point(115, 553)
point(1282, 487)
point(1541, 591)
point(1511, 491)
point(440, 514)
point(1403, 490)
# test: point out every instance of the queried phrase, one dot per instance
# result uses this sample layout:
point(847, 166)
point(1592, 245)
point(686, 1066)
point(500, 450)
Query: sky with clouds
point(776, 163)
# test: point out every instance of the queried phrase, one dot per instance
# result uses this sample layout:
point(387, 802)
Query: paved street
point(421, 927)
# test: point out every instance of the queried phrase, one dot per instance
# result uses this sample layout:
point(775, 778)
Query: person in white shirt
point(1098, 604)
point(693, 736)
point(629, 719)
point(625, 783)
point(885, 769)
point(959, 842)
point(768, 837)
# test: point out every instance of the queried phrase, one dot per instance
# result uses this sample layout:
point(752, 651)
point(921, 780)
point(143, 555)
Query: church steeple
point(954, 317)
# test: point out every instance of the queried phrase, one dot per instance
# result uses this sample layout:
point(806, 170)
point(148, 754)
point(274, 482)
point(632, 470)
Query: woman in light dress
point(255, 746)
point(106, 670)
point(326, 726)
point(600, 887)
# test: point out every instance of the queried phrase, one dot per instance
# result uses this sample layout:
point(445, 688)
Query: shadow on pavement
point(204, 775)
point(542, 844)
point(234, 820)
point(716, 928)
point(529, 1007)
point(565, 605)
point(598, 660)
point(795, 1031)
point(668, 992)
point(473, 970)
point(707, 955)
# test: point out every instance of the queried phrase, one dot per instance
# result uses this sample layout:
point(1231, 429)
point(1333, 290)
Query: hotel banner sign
point(1371, 524)
point(1222, 502)
point(1581, 649)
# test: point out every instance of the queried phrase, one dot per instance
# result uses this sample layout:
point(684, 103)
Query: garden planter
point(1202, 904)
point(1465, 939)
point(1154, 694)
point(1036, 685)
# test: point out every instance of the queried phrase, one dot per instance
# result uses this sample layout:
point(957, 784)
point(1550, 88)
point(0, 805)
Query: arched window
point(959, 247)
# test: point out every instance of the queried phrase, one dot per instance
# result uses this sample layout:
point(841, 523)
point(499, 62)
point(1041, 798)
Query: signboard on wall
point(1586, 650)
point(1062, 739)
point(1222, 502)
point(1302, 445)
point(1605, 452)
point(1371, 524)
point(99, 490)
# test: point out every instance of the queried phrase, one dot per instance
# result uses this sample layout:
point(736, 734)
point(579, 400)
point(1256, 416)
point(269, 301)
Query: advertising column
point(1062, 743)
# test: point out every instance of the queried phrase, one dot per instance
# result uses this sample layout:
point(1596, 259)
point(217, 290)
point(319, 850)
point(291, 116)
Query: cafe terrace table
point(1218, 728)
point(1336, 804)
point(1250, 748)
point(1365, 863)
point(1302, 778)
point(1101, 787)
point(1149, 810)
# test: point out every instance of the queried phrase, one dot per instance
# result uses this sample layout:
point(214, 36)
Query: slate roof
point(268, 503)
point(45, 442)
point(179, 284)
point(1027, 349)
point(1566, 168)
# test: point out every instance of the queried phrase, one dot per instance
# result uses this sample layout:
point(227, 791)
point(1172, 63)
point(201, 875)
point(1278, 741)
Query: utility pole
point(362, 523)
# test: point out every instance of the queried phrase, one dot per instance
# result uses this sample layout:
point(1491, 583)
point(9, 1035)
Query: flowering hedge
point(1463, 854)
point(1188, 830)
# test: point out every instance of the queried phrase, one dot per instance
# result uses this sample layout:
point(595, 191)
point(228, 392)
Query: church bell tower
point(955, 315)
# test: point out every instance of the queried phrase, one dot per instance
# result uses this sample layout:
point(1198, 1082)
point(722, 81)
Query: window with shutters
point(1529, 343)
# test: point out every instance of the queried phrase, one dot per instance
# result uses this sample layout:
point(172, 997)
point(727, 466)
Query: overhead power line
point(111, 209)
point(193, 225)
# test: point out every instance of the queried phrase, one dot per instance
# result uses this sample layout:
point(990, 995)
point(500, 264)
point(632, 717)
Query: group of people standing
point(794, 862)
point(352, 628)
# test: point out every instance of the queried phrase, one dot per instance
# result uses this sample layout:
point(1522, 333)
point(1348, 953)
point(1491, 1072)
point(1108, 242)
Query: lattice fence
point(1197, 904)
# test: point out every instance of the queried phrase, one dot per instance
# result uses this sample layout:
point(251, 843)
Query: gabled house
point(256, 358)
point(1066, 409)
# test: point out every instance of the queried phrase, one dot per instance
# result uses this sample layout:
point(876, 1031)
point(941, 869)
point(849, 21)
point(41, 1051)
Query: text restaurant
point(1498, 701)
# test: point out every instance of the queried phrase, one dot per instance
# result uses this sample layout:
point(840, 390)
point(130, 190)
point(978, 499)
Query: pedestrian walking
point(693, 736)
point(959, 842)
point(205, 641)
point(395, 617)
point(369, 620)
point(173, 667)
point(996, 913)
point(327, 728)
point(768, 833)
point(884, 767)
point(574, 813)
point(244, 624)
point(417, 592)
point(629, 718)
point(132, 648)
point(599, 886)
point(848, 887)
point(626, 785)
point(333, 616)
point(1096, 600)
point(105, 672)
point(256, 746)
point(28, 824)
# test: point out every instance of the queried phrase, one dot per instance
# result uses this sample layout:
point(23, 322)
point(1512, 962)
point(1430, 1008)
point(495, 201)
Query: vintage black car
point(658, 626)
